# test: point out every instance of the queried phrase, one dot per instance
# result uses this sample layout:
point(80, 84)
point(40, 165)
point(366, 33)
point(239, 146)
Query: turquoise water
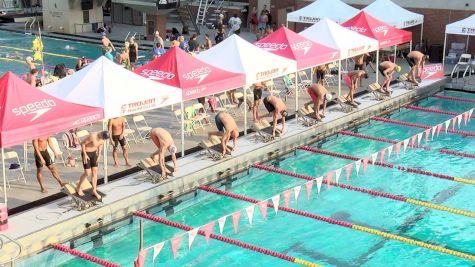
point(316, 241)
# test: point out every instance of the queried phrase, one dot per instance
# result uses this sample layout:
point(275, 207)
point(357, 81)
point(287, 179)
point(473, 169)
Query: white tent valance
point(335, 10)
point(462, 27)
point(393, 14)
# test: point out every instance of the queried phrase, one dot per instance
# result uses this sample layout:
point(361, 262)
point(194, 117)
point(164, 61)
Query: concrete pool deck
point(37, 228)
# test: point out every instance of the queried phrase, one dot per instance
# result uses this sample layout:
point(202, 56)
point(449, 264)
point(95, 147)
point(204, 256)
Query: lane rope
point(454, 98)
point(227, 240)
point(23, 62)
point(84, 256)
point(346, 224)
point(442, 150)
point(31, 51)
point(371, 192)
point(431, 110)
point(391, 166)
point(415, 125)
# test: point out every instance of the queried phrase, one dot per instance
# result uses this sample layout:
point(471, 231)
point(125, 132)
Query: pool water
point(316, 241)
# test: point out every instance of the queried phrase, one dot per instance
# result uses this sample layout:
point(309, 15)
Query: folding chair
point(226, 103)
point(271, 88)
point(81, 135)
point(264, 131)
point(143, 130)
point(128, 133)
point(404, 80)
point(304, 80)
point(12, 155)
point(82, 202)
point(307, 115)
point(344, 105)
point(75, 152)
point(153, 170)
point(299, 86)
point(375, 88)
point(329, 78)
point(462, 65)
point(290, 88)
point(189, 124)
point(57, 151)
point(213, 146)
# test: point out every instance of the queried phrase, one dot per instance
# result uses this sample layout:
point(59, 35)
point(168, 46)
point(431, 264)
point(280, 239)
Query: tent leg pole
point(339, 78)
point(106, 145)
point(245, 109)
point(395, 53)
point(4, 177)
point(182, 129)
point(422, 32)
point(296, 97)
point(466, 47)
point(25, 155)
point(443, 53)
point(377, 66)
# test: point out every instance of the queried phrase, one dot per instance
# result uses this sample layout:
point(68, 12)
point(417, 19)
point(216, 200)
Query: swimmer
point(275, 106)
point(29, 62)
point(164, 142)
point(69, 47)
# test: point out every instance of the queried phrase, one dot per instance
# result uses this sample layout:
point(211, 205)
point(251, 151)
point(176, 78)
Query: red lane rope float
point(371, 192)
point(415, 125)
point(454, 98)
point(85, 256)
point(345, 224)
point(388, 165)
point(225, 239)
point(431, 110)
point(442, 150)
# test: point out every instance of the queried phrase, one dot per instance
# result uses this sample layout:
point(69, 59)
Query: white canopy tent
point(119, 92)
point(335, 10)
point(348, 42)
point(235, 54)
point(394, 15)
point(461, 27)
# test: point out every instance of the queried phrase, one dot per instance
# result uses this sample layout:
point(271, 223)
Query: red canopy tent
point(27, 113)
point(291, 45)
point(365, 24)
point(195, 77)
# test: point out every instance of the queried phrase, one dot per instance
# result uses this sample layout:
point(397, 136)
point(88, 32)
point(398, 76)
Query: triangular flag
point(381, 155)
point(287, 194)
point(365, 164)
point(235, 217)
point(263, 208)
point(459, 120)
point(390, 151)
point(140, 258)
point(175, 244)
point(413, 140)
point(465, 118)
point(434, 129)
point(191, 236)
point(319, 183)
point(398, 148)
point(405, 143)
point(439, 127)
point(275, 202)
point(348, 171)
point(337, 175)
point(357, 165)
point(308, 187)
point(447, 124)
point(208, 230)
point(427, 136)
point(329, 178)
point(454, 121)
point(250, 213)
point(419, 138)
point(297, 192)
point(470, 112)
point(374, 156)
point(221, 223)
point(156, 250)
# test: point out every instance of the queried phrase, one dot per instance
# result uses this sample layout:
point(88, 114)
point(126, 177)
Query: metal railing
point(188, 9)
point(31, 21)
point(2, 243)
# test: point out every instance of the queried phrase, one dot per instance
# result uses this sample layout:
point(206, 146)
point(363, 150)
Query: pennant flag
point(337, 175)
point(413, 140)
point(454, 121)
point(275, 202)
point(447, 124)
point(297, 192)
point(348, 171)
point(235, 217)
point(374, 156)
point(439, 127)
point(459, 120)
point(390, 151)
point(419, 138)
point(287, 194)
point(191, 236)
point(263, 208)
point(156, 250)
point(365, 164)
point(398, 148)
point(329, 179)
point(308, 187)
point(405, 143)
point(175, 244)
point(250, 213)
point(140, 258)
point(221, 222)
point(208, 230)
point(470, 112)
point(434, 129)
point(319, 183)
point(427, 136)
point(382, 152)
point(357, 165)
point(465, 118)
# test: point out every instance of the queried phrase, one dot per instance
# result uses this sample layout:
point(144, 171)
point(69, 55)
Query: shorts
point(358, 66)
point(312, 94)
point(257, 94)
point(219, 123)
point(381, 70)
point(92, 162)
point(116, 140)
point(262, 26)
point(268, 105)
point(411, 62)
point(320, 75)
point(46, 157)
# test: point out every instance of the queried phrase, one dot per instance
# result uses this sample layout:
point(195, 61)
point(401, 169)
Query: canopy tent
point(461, 27)
point(367, 25)
point(333, 9)
point(394, 15)
point(27, 113)
point(195, 77)
point(291, 45)
point(118, 91)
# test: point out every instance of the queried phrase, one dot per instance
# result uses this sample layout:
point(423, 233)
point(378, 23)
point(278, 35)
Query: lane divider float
point(454, 98)
point(227, 240)
point(84, 256)
point(438, 111)
point(346, 224)
point(30, 50)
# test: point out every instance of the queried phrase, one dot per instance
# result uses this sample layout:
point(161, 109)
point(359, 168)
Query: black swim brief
point(411, 61)
point(320, 75)
point(46, 157)
point(92, 162)
point(358, 66)
point(257, 94)
point(116, 140)
point(268, 105)
point(381, 70)
point(219, 123)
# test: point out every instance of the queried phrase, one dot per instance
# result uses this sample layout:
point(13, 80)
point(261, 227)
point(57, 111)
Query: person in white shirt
point(235, 25)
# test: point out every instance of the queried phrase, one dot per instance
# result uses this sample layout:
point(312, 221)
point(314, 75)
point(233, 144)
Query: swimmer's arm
point(175, 167)
point(99, 152)
point(283, 124)
point(224, 141)
point(274, 124)
point(109, 129)
point(83, 145)
point(234, 143)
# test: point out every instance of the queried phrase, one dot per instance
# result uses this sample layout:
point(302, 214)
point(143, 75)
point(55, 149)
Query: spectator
point(235, 25)
point(183, 45)
point(220, 32)
point(158, 50)
point(193, 45)
point(208, 44)
point(157, 39)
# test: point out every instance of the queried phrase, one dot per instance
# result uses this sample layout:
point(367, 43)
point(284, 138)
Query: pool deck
point(37, 228)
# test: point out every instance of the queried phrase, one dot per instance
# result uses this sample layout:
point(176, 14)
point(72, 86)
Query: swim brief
point(411, 62)
point(268, 105)
point(257, 94)
point(46, 157)
point(312, 94)
point(219, 123)
point(116, 140)
point(92, 162)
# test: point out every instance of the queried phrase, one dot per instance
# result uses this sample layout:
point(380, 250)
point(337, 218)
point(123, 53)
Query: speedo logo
point(305, 46)
point(272, 46)
point(384, 29)
point(431, 70)
point(357, 29)
point(157, 75)
point(37, 108)
point(87, 119)
point(199, 74)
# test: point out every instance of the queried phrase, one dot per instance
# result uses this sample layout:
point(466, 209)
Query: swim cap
point(398, 68)
point(29, 59)
point(172, 149)
point(329, 97)
point(104, 135)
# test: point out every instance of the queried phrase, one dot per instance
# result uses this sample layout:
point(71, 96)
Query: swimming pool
point(315, 241)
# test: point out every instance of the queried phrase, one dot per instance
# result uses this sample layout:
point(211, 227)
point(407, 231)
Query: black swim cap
point(104, 135)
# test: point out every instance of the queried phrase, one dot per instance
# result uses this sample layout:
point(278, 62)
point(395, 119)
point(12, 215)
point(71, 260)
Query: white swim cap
point(172, 149)
point(329, 97)
point(29, 59)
